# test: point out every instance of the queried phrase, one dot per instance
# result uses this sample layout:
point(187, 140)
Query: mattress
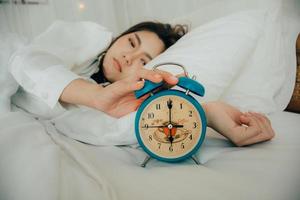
point(37, 162)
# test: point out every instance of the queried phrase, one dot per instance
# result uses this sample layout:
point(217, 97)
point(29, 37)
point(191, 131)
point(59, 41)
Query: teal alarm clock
point(170, 125)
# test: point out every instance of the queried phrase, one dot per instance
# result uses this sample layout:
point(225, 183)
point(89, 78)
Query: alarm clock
point(170, 124)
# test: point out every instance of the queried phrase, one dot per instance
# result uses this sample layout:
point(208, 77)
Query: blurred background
point(31, 17)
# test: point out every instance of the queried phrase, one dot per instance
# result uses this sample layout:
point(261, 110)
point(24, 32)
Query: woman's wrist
point(96, 98)
point(207, 109)
point(81, 92)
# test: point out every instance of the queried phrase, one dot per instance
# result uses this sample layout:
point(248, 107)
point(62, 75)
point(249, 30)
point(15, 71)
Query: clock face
point(170, 126)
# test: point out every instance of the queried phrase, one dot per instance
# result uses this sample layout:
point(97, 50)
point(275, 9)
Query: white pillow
point(216, 51)
point(266, 72)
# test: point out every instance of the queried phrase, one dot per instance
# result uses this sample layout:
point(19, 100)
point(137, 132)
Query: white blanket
point(38, 163)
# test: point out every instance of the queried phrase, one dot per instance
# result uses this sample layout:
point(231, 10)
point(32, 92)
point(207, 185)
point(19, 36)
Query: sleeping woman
point(105, 78)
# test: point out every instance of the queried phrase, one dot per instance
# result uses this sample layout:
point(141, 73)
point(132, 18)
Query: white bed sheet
point(39, 164)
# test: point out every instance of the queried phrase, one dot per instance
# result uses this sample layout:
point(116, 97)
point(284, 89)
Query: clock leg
point(145, 161)
point(196, 160)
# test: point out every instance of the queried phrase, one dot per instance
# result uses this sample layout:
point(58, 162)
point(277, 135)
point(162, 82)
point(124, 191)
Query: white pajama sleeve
point(41, 73)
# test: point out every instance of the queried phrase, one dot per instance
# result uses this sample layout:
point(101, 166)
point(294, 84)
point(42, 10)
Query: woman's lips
point(117, 65)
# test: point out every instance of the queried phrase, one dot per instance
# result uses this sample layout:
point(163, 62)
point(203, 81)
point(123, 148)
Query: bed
point(39, 164)
point(38, 161)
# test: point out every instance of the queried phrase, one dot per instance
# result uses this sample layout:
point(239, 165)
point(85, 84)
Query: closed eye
point(131, 42)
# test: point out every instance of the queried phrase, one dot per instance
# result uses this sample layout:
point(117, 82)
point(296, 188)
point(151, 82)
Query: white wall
point(117, 15)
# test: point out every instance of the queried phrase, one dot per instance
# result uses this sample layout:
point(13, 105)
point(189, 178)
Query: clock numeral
point(190, 113)
point(191, 137)
point(150, 115)
point(159, 145)
point(157, 106)
point(150, 138)
point(195, 125)
point(146, 126)
point(171, 148)
point(181, 106)
point(182, 145)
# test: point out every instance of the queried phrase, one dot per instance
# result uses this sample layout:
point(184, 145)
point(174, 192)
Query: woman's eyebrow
point(138, 38)
point(140, 42)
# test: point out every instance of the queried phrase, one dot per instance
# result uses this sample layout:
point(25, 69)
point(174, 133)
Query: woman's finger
point(181, 75)
point(266, 132)
point(262, 117)
point(248, 129)
point(265, 122)
point(251, 128)
point(168, 77)
point(123, 87)
point(157, 76)
point(258, 138)
point(244, 119)
point(149, 75)
point(259, 122)
point(249, 120)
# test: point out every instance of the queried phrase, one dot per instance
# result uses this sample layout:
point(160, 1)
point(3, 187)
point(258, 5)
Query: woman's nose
point(128, 59)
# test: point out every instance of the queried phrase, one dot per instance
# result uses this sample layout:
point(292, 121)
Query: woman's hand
point(117, 99)
point(241, 128)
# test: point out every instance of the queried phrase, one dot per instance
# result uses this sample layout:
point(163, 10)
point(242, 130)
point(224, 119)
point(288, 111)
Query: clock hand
point(178, 126)
point(175, 126)
point(170, 137)
point(154, 126)
point(169, 104)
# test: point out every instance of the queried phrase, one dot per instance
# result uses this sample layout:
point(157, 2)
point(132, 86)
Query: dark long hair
point(167, 33)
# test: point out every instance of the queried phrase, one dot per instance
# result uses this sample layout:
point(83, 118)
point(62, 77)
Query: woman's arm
point(40, 73)
point(241, 128)
point(116, 99)
point(81, 92)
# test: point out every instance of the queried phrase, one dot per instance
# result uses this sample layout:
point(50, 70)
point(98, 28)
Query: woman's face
point(129, 53)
